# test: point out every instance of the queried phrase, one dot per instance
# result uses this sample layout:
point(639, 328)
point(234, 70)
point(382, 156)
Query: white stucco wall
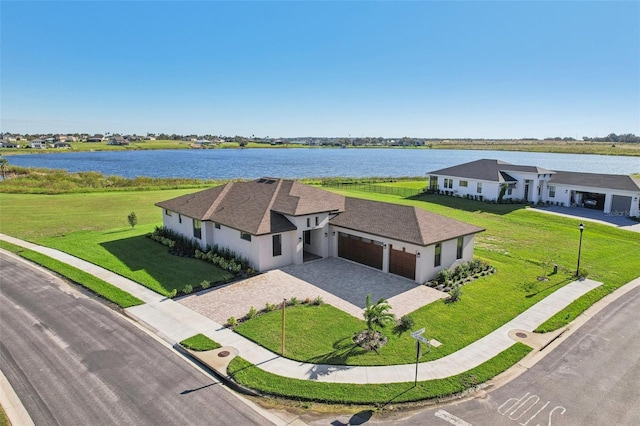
point(490, 190)
point(563, 195)
point(425, 269)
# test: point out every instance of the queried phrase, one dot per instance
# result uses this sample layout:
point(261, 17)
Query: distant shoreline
point(552, 147)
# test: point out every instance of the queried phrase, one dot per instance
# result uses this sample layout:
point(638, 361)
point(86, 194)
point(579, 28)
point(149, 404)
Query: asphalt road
point(590, 379)
point(71, 360)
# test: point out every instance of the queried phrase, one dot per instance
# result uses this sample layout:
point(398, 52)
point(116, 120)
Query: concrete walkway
point(174, 322)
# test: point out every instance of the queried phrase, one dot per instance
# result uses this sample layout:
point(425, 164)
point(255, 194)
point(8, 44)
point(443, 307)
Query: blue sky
point(458, 69)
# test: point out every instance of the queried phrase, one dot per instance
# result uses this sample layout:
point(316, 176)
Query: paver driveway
point(340, 283)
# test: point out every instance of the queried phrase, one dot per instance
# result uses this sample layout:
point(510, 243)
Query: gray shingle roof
point(488, 170)
point(597, 180)
point(255, 207)
point(404, 223)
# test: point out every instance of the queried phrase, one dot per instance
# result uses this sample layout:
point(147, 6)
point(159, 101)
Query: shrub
point(268, 307)
point(294, 301)
point(133, 219)
point(187, 289)
point(173, 293)
point(455, 294)
point(405, 323)
point(318, 301)
point(232, 322)
point(253, 312)
point(205, 284)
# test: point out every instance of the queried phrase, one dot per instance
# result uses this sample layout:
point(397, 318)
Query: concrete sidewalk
point(175, 322)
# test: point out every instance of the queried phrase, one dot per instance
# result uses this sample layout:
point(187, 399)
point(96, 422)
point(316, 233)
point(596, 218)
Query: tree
point(133, 219)
point(378, 315)
point(3, 166)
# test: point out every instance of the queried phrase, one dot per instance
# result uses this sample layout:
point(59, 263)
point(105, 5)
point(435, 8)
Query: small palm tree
point(3, 167)
point(378, 315)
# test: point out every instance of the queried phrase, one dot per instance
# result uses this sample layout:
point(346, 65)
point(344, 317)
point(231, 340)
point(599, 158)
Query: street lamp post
point(581, 227)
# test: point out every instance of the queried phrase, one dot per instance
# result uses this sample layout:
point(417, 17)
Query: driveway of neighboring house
point(593, 215)
point(340, 283)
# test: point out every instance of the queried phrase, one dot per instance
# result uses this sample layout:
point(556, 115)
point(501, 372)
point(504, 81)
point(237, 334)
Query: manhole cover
point(521, 335)
point(223, 354)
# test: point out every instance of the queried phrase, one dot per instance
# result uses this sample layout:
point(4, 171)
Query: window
point(197, 228)
point(448, 183)
point(308, 222)
point(463, 183)
point(167, 212)
point(179, 218)
point(438, 252)
point(245, 236)
point(552, 191)
point(509, 190)
point(479, 188)
point(216, 225)
point(317, 222)
point(276, 241)
point(460, 247)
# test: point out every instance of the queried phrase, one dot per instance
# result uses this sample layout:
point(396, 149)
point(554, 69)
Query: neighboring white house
point(486, 179)
point(276, 222)
point(38, 144)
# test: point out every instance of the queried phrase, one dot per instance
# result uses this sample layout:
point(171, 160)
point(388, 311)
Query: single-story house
point(494, 179)
point(65, 145)
point(7, 144)
point(117, 140)
point(277, 222)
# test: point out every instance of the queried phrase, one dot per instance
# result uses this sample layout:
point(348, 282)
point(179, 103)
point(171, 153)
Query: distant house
point(7, 144)
point(63, 145)
point(117, 140)
point(277, 222)
point(38, 144)
point(95, 138)
point(494, 179)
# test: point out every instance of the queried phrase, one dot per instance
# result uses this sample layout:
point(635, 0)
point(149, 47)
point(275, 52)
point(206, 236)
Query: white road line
point(446, 416)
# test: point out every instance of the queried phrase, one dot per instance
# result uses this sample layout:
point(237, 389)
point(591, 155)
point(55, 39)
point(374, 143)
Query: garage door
point(361, 250)
point(621, 205)
point(402, 263)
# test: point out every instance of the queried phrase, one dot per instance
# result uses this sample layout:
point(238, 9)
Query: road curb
point(12, 405)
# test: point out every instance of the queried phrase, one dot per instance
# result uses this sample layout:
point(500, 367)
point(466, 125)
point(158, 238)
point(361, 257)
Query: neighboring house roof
point(404, 223)
point(597, 180)
point(488, 170)
point(256, 207)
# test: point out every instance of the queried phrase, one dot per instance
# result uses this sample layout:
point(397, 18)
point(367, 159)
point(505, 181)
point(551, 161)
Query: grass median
point(96, 285)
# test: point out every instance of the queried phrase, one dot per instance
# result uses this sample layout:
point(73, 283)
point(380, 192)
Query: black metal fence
point(374, 186)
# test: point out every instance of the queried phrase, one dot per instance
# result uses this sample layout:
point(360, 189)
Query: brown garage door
point(402, 263)
point(361, 250)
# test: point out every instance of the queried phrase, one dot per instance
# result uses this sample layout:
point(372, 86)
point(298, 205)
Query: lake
point(307, 162)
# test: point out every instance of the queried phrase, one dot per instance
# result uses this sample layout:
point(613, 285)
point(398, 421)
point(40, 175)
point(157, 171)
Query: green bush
point(253, 312)
point(232, 322)
point(205, 284)
point(268, 307)
point(318, 301)
point(187, 289)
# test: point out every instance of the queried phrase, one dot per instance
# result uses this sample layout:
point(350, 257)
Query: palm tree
point(378, 315)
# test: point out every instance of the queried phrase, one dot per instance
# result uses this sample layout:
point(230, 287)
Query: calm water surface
point(307, 162)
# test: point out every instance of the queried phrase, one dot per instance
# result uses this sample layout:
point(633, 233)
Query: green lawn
point(199, 342)
point(96, 285)
point(378, 394)
point(94, 227)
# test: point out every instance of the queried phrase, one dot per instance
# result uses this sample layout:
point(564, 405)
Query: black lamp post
point(581, 227)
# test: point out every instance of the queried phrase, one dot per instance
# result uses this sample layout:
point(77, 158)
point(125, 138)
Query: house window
point(216, 225)
point(509, 191)
point(552, 191)
point(448, 183)
point(463, 183)
point(197, 228)
point(459, 249)
point(308, 222)
point(245, 236)
point(438, 252)
point(479, 188)
point(167, 212)
point(317, 222)
point(277, 245)
point(179, 218)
